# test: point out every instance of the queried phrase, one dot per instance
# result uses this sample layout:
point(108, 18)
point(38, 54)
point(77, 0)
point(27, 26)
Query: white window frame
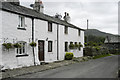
point(50, 46)
point(23, 49)
point(21, 22)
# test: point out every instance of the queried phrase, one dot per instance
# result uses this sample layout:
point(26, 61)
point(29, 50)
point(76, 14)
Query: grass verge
point(100, 56)
point(116, 54)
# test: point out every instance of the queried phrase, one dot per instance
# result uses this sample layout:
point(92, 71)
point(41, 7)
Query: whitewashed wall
point(10, 22)
point(0, 37)
point(72, 36)
point(42, 33)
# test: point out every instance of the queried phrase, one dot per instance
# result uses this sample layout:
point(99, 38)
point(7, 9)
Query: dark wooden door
point(41, 50)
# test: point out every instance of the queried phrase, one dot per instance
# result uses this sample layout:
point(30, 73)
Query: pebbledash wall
point(11, 34)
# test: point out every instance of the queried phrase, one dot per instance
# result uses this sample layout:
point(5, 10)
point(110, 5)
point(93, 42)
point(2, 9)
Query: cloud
point(102, 15)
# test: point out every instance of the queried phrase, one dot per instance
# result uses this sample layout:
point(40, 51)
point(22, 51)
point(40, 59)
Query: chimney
point(58, 16)
point(16, 2)
point(38, 6)
point(67, 17)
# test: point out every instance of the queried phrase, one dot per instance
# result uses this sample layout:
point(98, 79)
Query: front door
point(41, 50)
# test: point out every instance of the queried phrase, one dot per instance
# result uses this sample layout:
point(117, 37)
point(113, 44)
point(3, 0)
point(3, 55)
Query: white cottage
point(24, 25)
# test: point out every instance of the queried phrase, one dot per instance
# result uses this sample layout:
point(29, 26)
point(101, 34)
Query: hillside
point(96, 32)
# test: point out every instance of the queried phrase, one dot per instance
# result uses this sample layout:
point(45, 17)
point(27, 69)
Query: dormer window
point(66, 30)
point(21, 22)
point(49, 26)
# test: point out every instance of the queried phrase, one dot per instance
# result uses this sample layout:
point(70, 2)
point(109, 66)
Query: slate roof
point(21, 10)
point(114, 39)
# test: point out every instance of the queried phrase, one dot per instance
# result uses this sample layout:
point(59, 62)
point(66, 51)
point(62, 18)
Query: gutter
point(57, 41)
point(33, 39)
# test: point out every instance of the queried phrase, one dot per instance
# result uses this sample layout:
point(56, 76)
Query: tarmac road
point(106, 67)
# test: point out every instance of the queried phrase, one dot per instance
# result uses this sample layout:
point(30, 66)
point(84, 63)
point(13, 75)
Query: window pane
point(49, 46)
point(66, 46)
point(23, 47)
point(49, 26)
point(79, 32)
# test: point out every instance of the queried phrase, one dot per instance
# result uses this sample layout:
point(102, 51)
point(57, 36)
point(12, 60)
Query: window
point(49, 46)
point(66, 30)
point(49, 26)
point(66, 46)
point(22, 49)
point(79, 46)
point(78, 32)
point(21, 22)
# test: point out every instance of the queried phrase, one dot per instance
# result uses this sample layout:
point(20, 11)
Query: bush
point(69, 56)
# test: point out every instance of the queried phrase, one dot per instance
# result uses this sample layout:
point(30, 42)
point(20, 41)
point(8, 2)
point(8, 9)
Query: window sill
point(22, 55)
point(50, 31)
point(21, 28)
point(50, 52)
point(66, 33)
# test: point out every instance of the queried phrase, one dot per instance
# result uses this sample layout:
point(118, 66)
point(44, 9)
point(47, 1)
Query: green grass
point(116, 54)
point(100, 56)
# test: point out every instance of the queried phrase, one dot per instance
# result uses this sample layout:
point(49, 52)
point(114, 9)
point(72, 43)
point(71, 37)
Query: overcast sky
point(102, 14)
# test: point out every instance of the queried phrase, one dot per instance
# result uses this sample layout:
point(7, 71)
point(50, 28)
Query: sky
point(102, 14)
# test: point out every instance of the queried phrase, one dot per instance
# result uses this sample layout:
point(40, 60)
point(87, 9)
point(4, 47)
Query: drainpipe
point(57, 41)
point(33, 40)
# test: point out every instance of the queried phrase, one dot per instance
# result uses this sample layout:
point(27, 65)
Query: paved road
point(99, 68)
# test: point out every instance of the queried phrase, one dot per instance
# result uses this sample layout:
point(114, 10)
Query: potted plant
point(17, 45)
point(33, 44)
point(7, 45)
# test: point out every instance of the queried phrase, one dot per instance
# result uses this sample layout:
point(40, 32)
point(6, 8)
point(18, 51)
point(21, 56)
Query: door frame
point(43, 49)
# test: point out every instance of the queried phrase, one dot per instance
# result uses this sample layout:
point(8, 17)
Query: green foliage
point(7, 45)
point(97, 48)
point(76, 45)
point(85, 44)
point(69, 56)
point(33, 44)
point(71, 46)
point(80, 45)
point(17, 45)
point(100, 56)
point(94, 40)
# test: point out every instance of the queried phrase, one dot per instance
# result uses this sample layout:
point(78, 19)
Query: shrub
point(85, 44)
point(69, 56)
point(72, 46)
point(17, 45)
point(97, 48)
point(33, 44)
point(7, 45)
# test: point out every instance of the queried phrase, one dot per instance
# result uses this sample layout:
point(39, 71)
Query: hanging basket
point(33, 44)
point(17, 45)
point(7, 45)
